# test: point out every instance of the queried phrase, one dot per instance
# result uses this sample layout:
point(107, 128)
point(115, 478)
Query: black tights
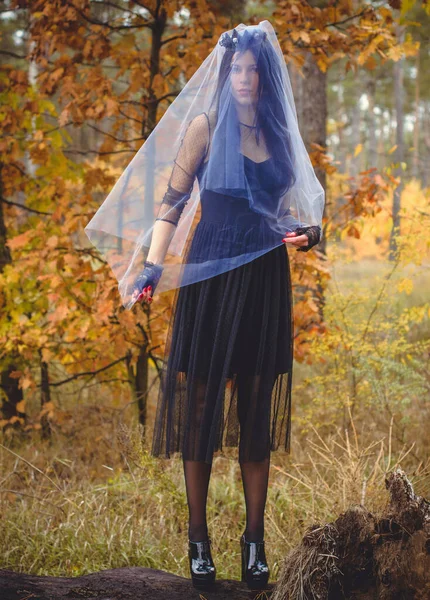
point(255, 478)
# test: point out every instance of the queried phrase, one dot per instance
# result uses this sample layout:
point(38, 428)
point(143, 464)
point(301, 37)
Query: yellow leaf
point(305, 37)
point(358, 149)
point(406, 285)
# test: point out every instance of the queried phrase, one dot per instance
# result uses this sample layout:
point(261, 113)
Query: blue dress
point(227, 372)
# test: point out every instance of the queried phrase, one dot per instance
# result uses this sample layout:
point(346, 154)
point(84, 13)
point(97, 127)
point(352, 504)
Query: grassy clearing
point(93, 498)
point(66, 519)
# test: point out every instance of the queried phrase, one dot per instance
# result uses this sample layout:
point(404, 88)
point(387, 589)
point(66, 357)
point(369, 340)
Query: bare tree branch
point(13, 54)
point(105, 24)
point(23, 207)
point(85, 373)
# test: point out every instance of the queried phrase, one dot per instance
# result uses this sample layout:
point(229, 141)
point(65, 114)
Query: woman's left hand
point(292, 238)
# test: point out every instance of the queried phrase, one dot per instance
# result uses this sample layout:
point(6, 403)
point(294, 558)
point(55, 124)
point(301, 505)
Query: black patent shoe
point(202, 568)
point(255, 571)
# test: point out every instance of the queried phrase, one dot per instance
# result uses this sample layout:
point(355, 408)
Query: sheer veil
point(201, 145)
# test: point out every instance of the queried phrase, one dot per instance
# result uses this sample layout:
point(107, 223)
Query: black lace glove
point(313, 233)
point(149, 276)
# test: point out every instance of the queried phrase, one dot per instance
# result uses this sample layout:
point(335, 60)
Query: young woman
point(226, 378)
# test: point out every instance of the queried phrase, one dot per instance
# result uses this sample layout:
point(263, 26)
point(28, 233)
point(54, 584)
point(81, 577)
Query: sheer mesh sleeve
point(191, 152)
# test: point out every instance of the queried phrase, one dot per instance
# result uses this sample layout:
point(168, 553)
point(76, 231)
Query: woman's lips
point(243, 92)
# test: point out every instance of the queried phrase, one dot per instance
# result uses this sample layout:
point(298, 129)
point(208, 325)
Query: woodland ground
point(94, 499)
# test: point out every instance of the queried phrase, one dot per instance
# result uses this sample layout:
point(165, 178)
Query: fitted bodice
point(222, 208)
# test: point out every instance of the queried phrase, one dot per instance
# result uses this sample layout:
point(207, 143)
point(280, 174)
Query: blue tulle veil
point(217, 155)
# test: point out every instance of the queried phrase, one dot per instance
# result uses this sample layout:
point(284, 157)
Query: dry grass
point(93, 498)
point(61, 517)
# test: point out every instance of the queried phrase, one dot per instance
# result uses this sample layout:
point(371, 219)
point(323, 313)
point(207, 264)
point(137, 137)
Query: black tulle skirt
point(227, 370)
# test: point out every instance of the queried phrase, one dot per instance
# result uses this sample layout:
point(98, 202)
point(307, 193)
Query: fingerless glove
point(313, 233)
point(149, 276)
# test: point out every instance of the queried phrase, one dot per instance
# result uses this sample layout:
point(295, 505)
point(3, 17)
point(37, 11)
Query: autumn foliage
point(92, 84)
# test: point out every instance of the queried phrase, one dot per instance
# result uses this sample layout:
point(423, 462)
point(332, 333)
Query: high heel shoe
point(255, 571)
point(202, 568)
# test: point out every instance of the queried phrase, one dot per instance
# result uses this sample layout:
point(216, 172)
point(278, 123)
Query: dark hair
point(271, 116)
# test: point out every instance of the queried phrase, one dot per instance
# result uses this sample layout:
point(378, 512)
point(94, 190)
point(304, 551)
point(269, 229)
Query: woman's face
point(244, 78)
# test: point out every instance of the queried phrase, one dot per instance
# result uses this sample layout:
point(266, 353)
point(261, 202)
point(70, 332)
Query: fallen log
point(126, 583)
point(359, 556)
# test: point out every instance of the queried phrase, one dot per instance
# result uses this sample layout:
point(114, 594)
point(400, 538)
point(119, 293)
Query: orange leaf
point(52, 241)
point(20, 407)
point(15, 374)
point(25, 383)
point(19, 241)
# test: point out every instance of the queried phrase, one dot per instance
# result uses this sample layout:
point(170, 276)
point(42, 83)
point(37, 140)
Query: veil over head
point(236, 115)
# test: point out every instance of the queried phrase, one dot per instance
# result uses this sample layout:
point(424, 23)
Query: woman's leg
point(197, 475)
point(196, 470)
point(254, 454)
point(255, 478)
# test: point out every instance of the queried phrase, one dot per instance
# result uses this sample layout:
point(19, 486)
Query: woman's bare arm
point(191, 152)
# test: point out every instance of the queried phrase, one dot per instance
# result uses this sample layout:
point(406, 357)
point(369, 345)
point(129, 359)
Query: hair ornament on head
point(251, 184)
point(229, 42)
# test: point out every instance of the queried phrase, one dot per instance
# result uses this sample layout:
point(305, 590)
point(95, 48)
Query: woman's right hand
point(146, 282)
point(308, 236)
point(146, 295)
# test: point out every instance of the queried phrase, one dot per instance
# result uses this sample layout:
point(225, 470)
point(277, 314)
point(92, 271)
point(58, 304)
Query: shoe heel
point(242, 553)
point(257, 576)
point(202, 568)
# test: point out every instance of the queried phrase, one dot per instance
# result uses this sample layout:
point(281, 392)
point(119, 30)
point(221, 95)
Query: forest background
point(82, 84)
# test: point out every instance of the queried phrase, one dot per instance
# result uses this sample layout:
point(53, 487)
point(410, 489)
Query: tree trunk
point(12, 394)
point(142, 385)
point(116, 584)
point(400, 151)
point(416, 167)
point(138, 378)
point(355, 161)
point(45, 396)
point(372, 146)
point(312, 115)
point(312, 109)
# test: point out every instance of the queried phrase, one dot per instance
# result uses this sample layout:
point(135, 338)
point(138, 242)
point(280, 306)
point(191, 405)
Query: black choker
point(250, 126)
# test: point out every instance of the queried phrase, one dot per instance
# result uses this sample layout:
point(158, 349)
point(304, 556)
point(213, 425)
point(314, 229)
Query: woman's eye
point(236, 69)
